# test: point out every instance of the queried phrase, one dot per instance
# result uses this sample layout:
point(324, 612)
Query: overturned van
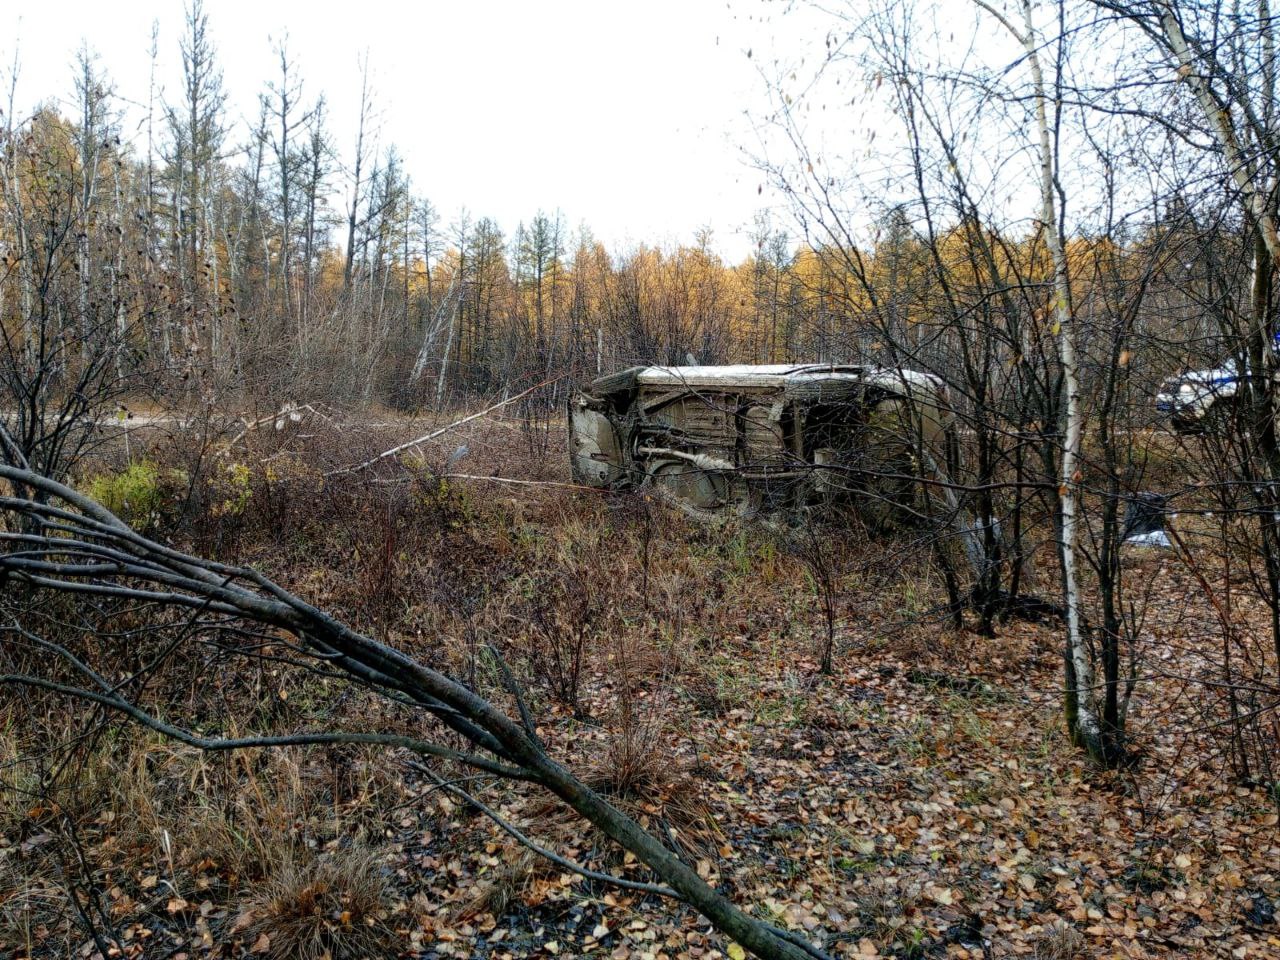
point(746, 439)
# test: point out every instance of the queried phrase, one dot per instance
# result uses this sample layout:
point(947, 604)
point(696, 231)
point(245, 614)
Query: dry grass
point(508, 883)
point(243, 811)
point(642, 769)
point(180, 821)
point(889, 920)
point(17, 783)
point(333, 907)
point(32, 902)
point(1061, 941)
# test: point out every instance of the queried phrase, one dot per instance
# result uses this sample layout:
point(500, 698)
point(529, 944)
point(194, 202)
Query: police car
point(1199, 397)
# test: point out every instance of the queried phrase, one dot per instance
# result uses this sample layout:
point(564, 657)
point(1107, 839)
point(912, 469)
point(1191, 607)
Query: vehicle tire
point(1220, 417)
point(704, 490)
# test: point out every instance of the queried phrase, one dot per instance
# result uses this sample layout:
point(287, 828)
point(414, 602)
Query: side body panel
point(743, 439)
point(595, 452)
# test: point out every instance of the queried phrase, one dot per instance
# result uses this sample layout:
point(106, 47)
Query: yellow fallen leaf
point(736, 952)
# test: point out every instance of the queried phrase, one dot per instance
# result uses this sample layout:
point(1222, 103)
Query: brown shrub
point(642, 769)
point(574, 595)
point(509, 882)
point(333, 906)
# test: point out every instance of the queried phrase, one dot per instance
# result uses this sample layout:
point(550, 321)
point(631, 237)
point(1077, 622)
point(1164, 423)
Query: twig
point(639, 886)
point(13, 453)
point(440, 431)
point(513, 688)
point(284, 411)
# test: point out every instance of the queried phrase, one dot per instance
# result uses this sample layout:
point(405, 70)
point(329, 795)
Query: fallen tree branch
point(513, 481)
point(79, 547)
point(288, 411)
point(512, 831)
point(440, 431)
point(521, 483)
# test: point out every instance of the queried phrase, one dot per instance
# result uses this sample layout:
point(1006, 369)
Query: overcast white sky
point(629, 117)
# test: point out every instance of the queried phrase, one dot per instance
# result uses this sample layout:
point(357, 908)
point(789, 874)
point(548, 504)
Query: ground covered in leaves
point(919, 801)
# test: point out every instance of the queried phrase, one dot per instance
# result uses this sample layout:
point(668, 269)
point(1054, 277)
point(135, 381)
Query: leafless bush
point(1234, 671)
point(815, 550)
point(563, 625)
point(565, 606)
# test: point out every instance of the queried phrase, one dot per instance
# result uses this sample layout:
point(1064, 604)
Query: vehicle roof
point(764, 375)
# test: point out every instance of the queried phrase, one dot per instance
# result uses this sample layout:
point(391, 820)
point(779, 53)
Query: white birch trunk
point(1088, 729)
point(1069, 491)
point(448, 347)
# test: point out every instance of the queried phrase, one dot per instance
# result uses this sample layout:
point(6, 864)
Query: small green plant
point(236, 485)
point(1143, 876)
point(911, 943)
point(738, 551)
point(452, 502)
point(135, 495)
point(853, 866)
point(913, 602)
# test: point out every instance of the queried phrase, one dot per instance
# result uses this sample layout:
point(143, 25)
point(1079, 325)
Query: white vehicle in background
point(1201, 400)
point(1198, 398)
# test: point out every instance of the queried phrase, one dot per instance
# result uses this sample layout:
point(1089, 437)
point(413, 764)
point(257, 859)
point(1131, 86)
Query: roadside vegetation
point(918, 800)
point(312, 647)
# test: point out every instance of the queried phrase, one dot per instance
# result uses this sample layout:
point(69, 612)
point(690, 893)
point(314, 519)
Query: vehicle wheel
point(891, 498)
point(684, 482)
point(1219, 418)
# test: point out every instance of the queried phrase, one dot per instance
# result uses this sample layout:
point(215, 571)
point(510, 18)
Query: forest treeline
point(213, 262)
